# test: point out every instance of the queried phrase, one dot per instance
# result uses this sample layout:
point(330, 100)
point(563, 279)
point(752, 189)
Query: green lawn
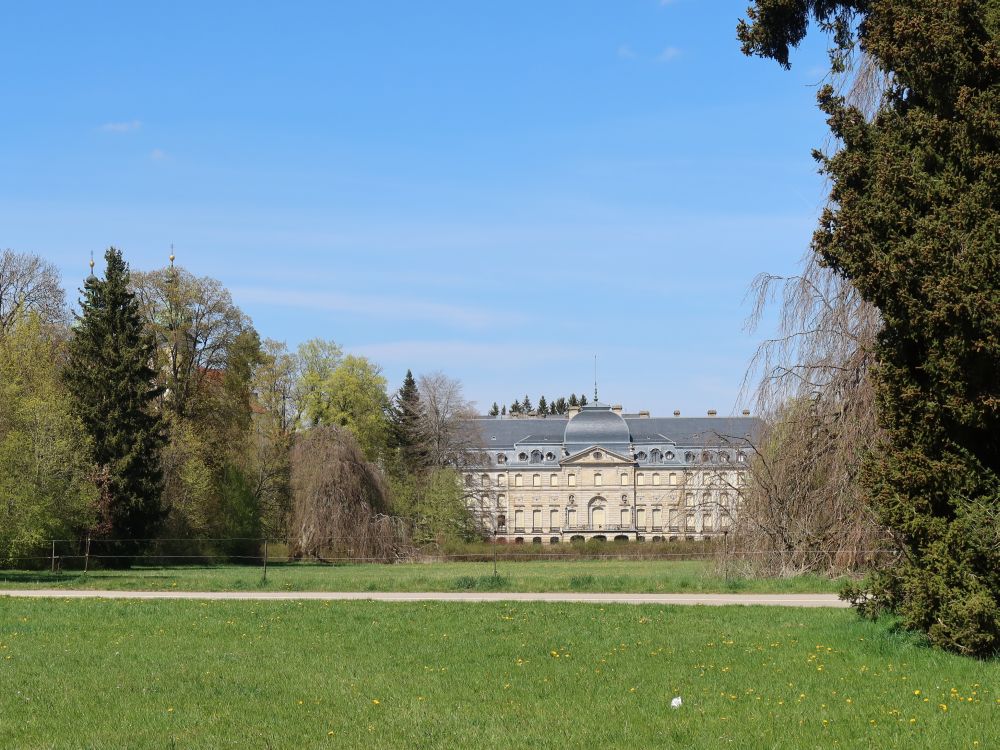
point(632, 576)
point(164, 674)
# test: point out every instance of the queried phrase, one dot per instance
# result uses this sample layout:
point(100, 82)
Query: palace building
point(600, 474)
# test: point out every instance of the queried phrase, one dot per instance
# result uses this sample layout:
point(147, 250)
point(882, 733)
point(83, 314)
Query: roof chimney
point(746, 412)
point(644, 414)
point(572, 411)
point(677, 412)
point(617, 408)
point(712, 412)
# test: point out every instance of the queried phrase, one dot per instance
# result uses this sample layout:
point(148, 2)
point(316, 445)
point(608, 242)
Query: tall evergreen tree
point(515, 408)
point(573, 400)
point(495, 410)
point(913, 223)
point(503, 410)
point(543, 406)
point(559, 406)
point(583, 400)
point(113, 388)
point(407, 416)
point(526, 404)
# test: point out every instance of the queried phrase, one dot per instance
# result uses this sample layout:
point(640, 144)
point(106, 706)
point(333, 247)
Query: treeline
point(523, 407)
point(157, 412)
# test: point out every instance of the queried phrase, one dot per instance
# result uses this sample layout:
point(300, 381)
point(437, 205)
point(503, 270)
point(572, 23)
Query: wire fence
point(83, 555)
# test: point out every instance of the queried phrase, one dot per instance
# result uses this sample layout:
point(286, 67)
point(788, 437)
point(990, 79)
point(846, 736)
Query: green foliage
point(494, 410)
point(543, 406)
point(113, 387)
point(913, 223)
point(47, 482)
point(437, 507)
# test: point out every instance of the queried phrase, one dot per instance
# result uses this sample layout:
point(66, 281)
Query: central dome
point(597, 425)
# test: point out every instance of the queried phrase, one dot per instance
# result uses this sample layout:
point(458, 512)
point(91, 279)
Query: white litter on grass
point(676, 702)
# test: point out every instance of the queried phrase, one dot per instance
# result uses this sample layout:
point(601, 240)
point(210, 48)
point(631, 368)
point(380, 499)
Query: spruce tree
point(573, 401)
point(526, 404)
point(113, 389)
point(559, 406)
point(913, 222)
point(503, 410)
point(408, 434)
point(494, 410)
point(543, 406)
point(515, 408)
point(583, 401)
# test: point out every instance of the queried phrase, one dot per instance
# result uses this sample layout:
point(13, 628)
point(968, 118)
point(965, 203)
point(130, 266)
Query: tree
point(354, 397)
point(583, 401)
point(195, 324)
point(452, 438)
point(29, 284)
point(494, 410)
point(543, 406)
point(113, 392)
point(553, 410)
point(913, 224)
point(316, 361)
point(515, 408)
point(340, 502)
point(503, 410)
point(526, 404)
point(573, 401)
point(47, 482)
point(408, 434)
point(438, 507)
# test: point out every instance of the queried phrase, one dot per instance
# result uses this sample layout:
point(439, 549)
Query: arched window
point(706, 498)
point(640, 456)
point(655, 456)
point(741, 457)
point(522, 456)
point(689, 457)
point(550, 456)
point(689, 500)
point(553, 480)
point(724, 457)
point(486, 480)
point(518, 480)
point(501, 458)
point(669, 455)
point(640, 479)
point(624, 480)
point(656, 479)
point(672, 479)
point(536, 457)
point(536, 480)
point(501, 480)
point(597, 479)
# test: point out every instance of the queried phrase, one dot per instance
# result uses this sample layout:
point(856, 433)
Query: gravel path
point(775, 600)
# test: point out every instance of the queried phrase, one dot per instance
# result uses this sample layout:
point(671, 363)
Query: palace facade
point(600, 474)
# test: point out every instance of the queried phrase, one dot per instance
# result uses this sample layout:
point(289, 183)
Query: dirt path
point(776, 600)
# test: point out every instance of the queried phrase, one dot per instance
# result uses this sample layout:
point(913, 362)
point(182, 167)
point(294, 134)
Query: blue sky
point(496, 190)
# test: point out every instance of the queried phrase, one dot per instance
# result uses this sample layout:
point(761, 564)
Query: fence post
point(725, 555)
point(265, 561)
point(86, 556)
point(53, 555)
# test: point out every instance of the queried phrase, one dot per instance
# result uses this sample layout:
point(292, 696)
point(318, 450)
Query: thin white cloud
point(668, 54)
point(121, 127)
point(456, 354)
point(380, 306)
point(626, 52)
point(157, 154)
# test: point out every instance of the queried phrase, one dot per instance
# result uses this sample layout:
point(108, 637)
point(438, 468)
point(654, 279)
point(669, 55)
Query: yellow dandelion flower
point(943, 706)
point(916, 692)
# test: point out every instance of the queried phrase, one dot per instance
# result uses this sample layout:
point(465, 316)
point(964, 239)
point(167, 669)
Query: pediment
point(595, 455)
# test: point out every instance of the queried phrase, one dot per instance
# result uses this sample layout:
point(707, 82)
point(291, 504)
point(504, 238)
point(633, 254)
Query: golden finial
point(171, 254)
point(91, 261)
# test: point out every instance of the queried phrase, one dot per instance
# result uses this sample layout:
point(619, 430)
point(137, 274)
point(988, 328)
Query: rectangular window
point(707, 523)
point(536, 481)
point(640, 479)
point(673, 520)
point(624, 480)
point(656, 479)
point(554, 480)
point(572, 480)
point(519, 520)
point(640, 518)
point(501, 480)
point(626, 517)
point(656, 518)
point(553, 519)
point(597, 480)
point(571, 517)
point(518, 480)
point(673, 478)
point(536, 520)
point(690, 522)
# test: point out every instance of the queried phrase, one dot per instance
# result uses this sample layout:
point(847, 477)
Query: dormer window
point(669, 455)
point(598, 455)
point(522, 456)
point(550, 456)
point(501, 458)
point(641, 456)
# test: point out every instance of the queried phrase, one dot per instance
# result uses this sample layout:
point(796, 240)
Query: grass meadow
point(626, 576)
point(196, 674)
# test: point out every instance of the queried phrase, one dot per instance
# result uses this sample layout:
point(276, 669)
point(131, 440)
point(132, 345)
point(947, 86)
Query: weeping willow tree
point(340, 501)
